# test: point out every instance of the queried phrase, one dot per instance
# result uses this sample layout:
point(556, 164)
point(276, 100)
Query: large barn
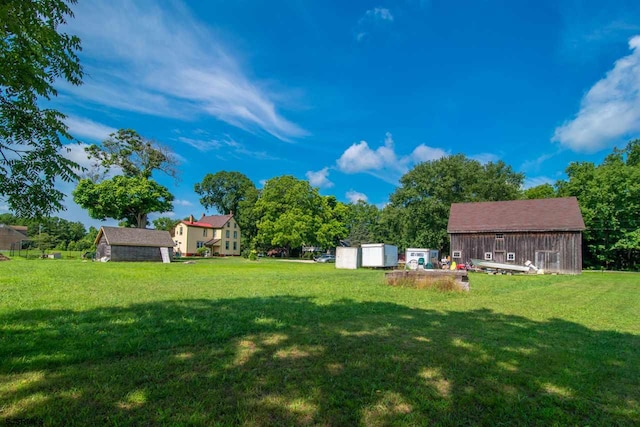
point(133, 244)
point(547, 232)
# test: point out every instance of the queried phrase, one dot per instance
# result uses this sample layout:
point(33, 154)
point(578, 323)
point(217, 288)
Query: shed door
point(548, 260)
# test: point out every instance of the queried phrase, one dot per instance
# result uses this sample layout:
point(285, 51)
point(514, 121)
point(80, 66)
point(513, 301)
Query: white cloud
point(485, 158)
point(81, 128)
point(319, 178)
point(383, 162)
point(180, 202)
point(379, 13)
point(168, 65)
point(424, 153)
point(354, 196)
point(201, 144)
point(373, 20)
point(533, 165)
point(610, 111)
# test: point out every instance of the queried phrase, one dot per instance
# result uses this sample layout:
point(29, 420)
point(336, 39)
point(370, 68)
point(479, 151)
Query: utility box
point(379, 255)
point(348, 258)
point(421, 258)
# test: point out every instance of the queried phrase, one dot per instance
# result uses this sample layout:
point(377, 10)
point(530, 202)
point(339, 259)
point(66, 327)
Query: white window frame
point(456, 254)
point(488, 256)
point(511, 256)
point(500, 236)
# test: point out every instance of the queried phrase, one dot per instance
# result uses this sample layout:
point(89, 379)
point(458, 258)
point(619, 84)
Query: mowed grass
point(234, 342)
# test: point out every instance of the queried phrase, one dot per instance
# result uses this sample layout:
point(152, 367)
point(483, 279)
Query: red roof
point(217, 221)
point(559, 214)
point(197, 224)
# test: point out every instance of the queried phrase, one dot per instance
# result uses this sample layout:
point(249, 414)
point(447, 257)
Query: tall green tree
point(134, 155)
point(418, 212)
point(127, 199)
point(362, 223)
point(609, 197)
point(292, 214)
point(33, 55)
point(165, 223)
point(542, 191)
point(224, 191)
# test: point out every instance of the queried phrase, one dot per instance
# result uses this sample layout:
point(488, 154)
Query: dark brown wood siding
point(137, 253)
point(559, 252)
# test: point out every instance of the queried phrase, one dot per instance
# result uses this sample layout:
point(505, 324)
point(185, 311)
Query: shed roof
point(197, 224)
point(217, 221)
point(559, 214)
point(121, 236)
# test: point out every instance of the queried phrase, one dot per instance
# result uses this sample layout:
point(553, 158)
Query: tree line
point(286, 212)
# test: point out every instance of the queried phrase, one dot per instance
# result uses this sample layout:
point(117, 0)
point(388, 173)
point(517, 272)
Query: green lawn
point(234, 342)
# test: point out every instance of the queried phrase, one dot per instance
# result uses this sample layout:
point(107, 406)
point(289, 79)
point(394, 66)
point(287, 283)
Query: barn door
point(548, 260)
point(498, 256)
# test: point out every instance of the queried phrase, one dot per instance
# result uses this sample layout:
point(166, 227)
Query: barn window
point(199, 244)
point(511, 256)
point(488, 256)
point(457, 254)
point(499, 236)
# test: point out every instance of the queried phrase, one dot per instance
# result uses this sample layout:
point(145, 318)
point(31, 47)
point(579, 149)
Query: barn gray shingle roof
point(559, 214)
point(121, 236)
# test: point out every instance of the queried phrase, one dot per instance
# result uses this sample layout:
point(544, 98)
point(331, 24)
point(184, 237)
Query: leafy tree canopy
point(609, 196)
point(128, 199)
point(542, 191)
point(165, 223)
point(135, 155)
point(33, 55)
point(224, 191)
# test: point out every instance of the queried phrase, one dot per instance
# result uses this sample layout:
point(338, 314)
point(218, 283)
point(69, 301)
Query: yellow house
point(219, 233)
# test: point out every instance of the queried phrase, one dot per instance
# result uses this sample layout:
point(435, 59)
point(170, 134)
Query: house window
point(226, 245)
point(204, 232)
point(457, 254)
point(235, 225)
point(488, 256)
point(511, 256)
point(180, 231)
point(235, 234)
point(199, 244)
point(235, 245)
point(499, 236)
point(228, 224)
point(227, 234)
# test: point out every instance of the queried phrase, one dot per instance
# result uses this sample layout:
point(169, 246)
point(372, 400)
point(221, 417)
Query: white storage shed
point(379, 255)
point(348, 258)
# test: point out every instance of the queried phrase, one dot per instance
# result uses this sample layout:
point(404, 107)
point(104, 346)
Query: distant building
point(219, 233)
point(11, 235)
point(547, 232)
point(133, 244)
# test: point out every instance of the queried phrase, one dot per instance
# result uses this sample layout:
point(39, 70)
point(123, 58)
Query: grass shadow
point(290, 361)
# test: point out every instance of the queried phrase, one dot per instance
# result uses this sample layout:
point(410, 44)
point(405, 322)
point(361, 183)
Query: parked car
point(325, 258)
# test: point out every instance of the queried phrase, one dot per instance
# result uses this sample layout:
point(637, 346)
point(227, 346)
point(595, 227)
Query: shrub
point(253, 255)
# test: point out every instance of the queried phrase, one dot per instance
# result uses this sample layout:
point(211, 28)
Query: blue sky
point(351, 95)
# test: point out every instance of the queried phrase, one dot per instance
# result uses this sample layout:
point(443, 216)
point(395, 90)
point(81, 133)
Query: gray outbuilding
point(133, 244)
